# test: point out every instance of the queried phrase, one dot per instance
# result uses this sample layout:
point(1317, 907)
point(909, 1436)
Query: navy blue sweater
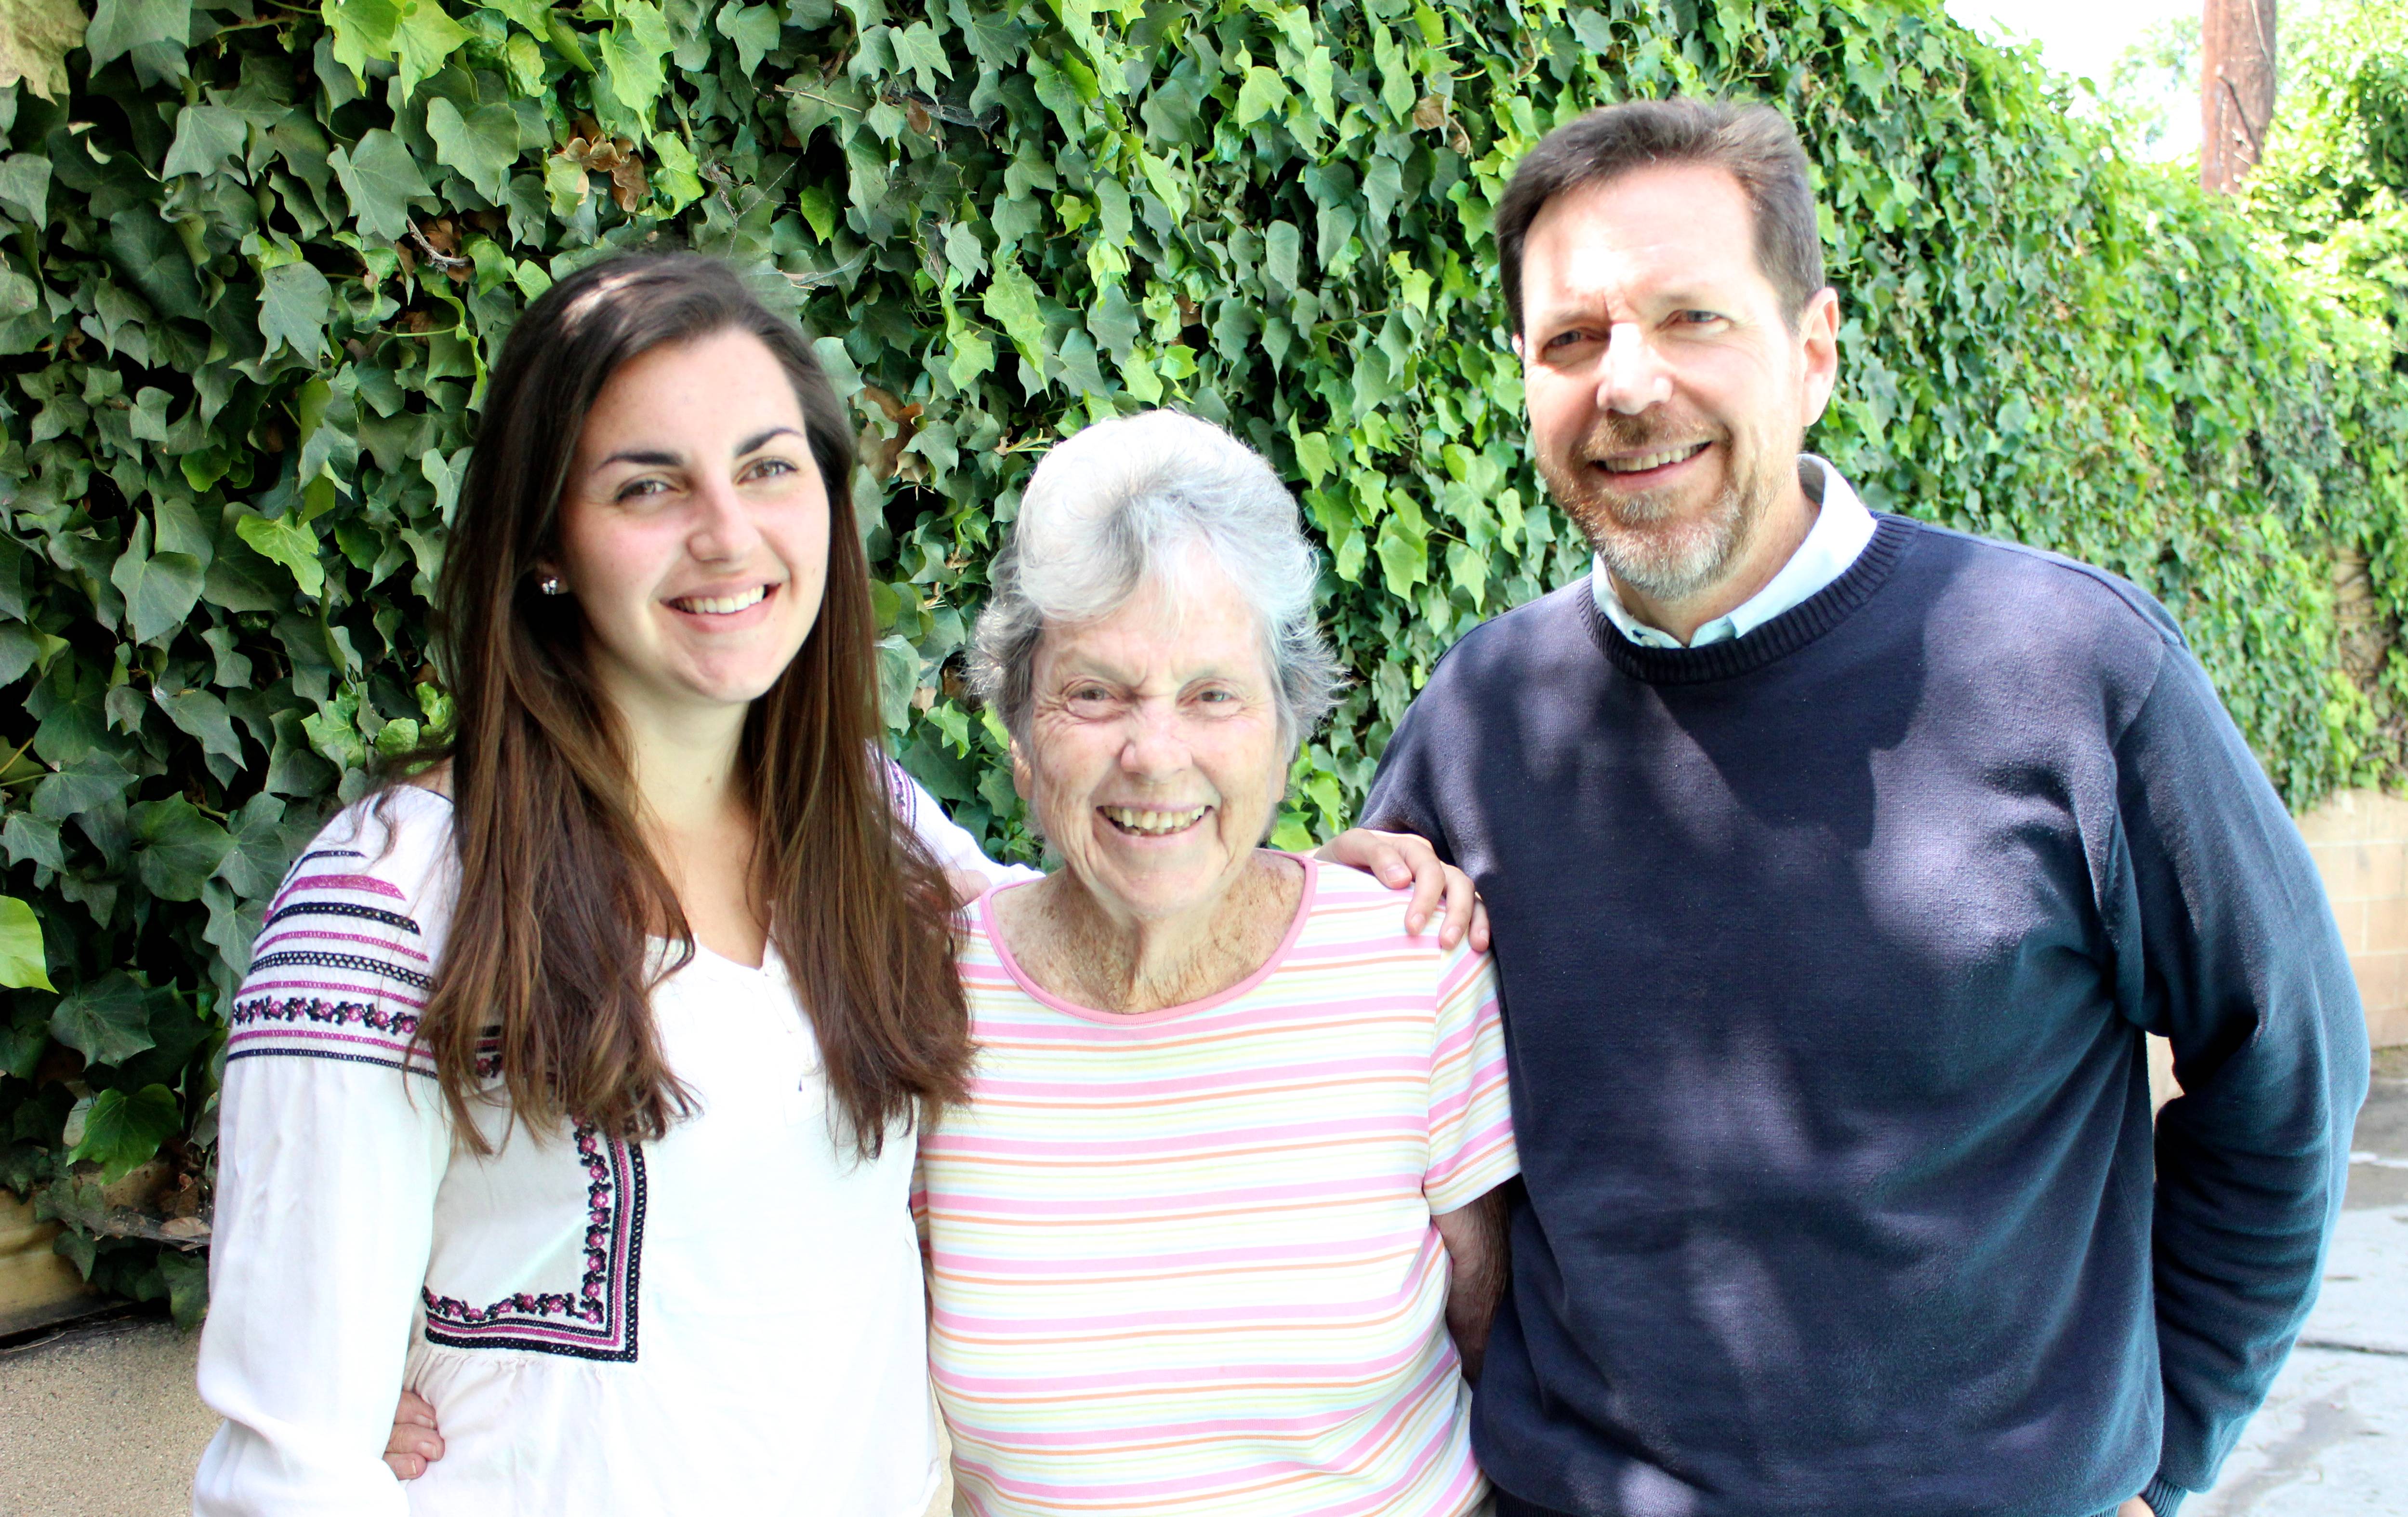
point(1825, 954)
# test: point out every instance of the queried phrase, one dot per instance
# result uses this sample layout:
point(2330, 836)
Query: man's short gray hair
point(1109, 511)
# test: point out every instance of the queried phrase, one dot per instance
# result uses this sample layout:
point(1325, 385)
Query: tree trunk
point(2236, 89)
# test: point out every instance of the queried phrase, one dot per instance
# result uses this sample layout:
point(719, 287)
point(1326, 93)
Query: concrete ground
point(103, 1421)
point(2332, 1439)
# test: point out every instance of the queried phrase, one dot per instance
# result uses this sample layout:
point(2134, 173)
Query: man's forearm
point(1474, 1236)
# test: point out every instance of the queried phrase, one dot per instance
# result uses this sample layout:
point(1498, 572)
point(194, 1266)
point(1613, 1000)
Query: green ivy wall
point(255, 260)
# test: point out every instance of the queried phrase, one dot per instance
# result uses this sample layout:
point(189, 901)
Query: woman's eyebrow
point(655, 458)
point(755, 444)
point(648, 458)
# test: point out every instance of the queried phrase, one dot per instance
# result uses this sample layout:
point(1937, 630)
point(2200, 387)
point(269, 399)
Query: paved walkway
point(102, 1423)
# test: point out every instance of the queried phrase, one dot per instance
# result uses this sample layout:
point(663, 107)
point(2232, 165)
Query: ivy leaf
point(426, 36)
point(25, 183)
point(122, 1131)
point(363, 30)
point(996, 38)
point(176, 847)
point(916, 48)
point(158, 588)
point(187, 1275)
point(28, 836)
point(483, 145)
point(202, 715)
point(88, 783)
point(565, 184)
point(636, 50)
point(35, 36)
point(1282, 244)
point(973, 356)
point(1011, 299)
point(1404, 554)
point(263, 845)
point(679, 183)
point(379, 177)
point(206, 136)
point(21, 963)
point(570, 42)
point(120, 26)
point(1263, 92)
point(290, 543)
point(334, 735)
point(108, 1020)
point(1171, 110)
point(1319, 78)
point(753, 29)
point(295, 303)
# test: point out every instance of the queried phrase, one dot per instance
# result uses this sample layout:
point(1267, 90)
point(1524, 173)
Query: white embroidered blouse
point(727, 1321)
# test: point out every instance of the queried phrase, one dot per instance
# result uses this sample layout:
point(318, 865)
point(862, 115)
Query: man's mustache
point(1613, 433)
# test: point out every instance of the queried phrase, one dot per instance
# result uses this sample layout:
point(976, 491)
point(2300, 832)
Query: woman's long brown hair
point(544, 980)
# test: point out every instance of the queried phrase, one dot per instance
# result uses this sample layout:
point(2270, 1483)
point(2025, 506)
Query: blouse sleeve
point(333, 1141)
point(1470, 1124)
point(953, 844)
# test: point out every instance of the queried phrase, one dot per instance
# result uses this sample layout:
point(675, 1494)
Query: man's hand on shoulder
point(1398, 859)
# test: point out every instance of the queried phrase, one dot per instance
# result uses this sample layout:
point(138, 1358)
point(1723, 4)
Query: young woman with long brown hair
point(576, 1079)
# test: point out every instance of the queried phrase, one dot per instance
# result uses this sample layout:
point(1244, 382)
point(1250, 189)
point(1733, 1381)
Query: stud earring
point(550, 585)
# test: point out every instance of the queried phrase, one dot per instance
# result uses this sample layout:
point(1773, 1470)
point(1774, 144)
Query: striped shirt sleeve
point(1470, 1125)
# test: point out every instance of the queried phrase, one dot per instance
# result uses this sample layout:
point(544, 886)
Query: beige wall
point(2361, 842)
point(37, 1286)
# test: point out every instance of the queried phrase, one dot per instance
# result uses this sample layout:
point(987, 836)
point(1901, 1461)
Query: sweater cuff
point(2163, 1496)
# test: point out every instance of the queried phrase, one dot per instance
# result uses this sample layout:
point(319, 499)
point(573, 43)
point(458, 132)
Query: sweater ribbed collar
point(1776, 639)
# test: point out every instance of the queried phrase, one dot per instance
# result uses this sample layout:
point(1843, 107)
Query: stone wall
point(2361, 842)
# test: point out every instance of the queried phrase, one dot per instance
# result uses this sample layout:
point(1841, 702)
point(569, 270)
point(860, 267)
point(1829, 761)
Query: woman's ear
point(1023, 782)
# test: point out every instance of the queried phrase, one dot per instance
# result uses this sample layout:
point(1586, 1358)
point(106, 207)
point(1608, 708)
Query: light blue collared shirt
point(1842, 528)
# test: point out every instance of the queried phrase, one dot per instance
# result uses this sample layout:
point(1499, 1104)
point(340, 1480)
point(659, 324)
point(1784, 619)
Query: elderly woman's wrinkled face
point(1152, 753)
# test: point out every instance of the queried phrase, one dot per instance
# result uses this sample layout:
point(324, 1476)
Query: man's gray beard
point(1651, 550)
point(1654, 552)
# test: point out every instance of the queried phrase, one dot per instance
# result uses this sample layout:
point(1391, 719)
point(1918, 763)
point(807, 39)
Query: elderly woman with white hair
point(1216, 1231)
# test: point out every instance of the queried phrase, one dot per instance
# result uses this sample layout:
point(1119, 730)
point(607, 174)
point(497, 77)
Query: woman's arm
point(333, 1144)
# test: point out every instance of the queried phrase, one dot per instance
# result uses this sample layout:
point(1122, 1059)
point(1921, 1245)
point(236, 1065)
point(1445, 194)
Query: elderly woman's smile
point(1152, 650)
point(1146, 821)
point(1152, 753)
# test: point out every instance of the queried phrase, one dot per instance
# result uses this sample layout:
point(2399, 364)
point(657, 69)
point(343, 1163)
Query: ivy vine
point(256, 259)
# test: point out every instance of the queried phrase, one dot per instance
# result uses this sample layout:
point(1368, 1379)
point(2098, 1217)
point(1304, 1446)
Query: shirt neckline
point(1842, 530)
point(1019, 976)
point(1777, 639)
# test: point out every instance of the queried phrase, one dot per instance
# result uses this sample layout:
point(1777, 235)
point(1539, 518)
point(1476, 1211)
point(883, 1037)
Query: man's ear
point(1517, 347)
point(1818, 346)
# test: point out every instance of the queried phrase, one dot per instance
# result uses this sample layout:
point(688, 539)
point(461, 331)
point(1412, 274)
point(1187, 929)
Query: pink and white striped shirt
point(1182, 1262)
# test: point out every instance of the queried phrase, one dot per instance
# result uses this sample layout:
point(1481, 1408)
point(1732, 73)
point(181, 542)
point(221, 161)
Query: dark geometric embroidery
point(598, 1320)
point(356, 963)
point(341, 908)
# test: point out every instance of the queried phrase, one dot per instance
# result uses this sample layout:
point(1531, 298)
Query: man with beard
point(1836, 865)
